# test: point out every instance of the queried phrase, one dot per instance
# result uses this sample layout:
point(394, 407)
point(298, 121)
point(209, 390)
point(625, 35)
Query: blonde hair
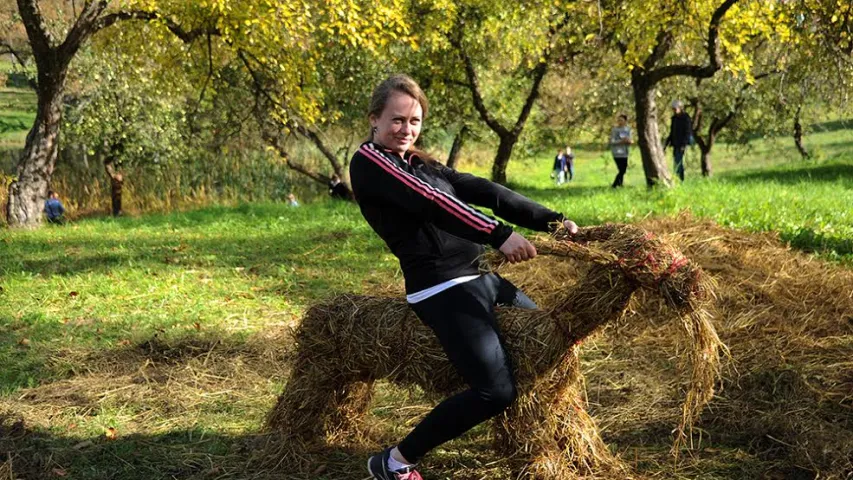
point(395, 83)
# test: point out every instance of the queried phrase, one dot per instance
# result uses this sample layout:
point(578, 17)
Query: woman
point(420, 208)
point(620, 141)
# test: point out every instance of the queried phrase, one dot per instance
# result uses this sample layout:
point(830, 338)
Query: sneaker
point(377, 465)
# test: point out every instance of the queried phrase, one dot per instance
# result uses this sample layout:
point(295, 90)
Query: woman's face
point(399, 124)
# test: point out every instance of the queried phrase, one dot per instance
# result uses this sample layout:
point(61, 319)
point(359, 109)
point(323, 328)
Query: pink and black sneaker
point(377, 465)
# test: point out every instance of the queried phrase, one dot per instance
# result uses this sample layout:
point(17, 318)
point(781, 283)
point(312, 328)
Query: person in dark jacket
point(680, 136)
point(570, 162)
point(422, 210)
point(559, 170)
point(338, 189)
point(53, 209)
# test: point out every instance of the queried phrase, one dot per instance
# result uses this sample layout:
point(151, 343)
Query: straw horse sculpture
point(346, 344)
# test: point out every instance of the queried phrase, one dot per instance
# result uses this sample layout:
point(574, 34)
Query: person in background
point(291, 200)
point(620, 139)
point(680, 136)
point(570, 163)
point(559, 173)
point(53, 209)
point(337, 188)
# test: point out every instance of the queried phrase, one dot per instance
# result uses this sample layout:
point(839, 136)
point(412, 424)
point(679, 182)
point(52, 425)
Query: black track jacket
point(421, 211)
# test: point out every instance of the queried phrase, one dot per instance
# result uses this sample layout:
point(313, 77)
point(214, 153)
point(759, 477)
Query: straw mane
point(347, 343)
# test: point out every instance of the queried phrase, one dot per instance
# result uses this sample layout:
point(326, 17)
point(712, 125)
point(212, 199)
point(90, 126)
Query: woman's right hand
point(517, 249)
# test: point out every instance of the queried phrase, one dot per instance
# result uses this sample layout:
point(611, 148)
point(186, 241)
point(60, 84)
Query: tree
point(793, 78)
point(493, 50)
point(52, 59)
point(124, 115)
point(338, 79)
point(677, 39)
point(277, 34)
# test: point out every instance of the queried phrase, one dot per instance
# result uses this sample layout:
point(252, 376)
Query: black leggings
point(463, 319)
point(622, 165)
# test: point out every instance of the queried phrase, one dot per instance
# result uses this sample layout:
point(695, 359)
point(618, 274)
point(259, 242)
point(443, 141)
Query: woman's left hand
point(571, 226)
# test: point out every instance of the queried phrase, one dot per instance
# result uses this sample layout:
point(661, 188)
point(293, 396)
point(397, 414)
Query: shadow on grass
point(208, 452)
point(833, 125)
point(805, 173)
point(179, 452)
point(565, 191)
point(807, 240)
point(196, 454)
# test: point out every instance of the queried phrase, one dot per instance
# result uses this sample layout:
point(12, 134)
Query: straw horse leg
point(308, 401)
point(549, 432)
point(349, 407)
point(548, 428)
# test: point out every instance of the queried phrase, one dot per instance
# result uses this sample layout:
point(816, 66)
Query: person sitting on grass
point(291, 200)
point(53, 209)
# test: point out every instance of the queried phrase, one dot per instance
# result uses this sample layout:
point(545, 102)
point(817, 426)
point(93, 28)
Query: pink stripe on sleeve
point(447, 202)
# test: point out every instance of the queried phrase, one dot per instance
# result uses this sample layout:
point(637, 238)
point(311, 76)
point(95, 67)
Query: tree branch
point(663, 42)
point(83, 28)
point(300, 129)
point(715, 59)
point(206, 79)
point(40, 38)
point(474, 88)
point(538, 74)
point(275, 142)
point(187, 36)
point(7, 48)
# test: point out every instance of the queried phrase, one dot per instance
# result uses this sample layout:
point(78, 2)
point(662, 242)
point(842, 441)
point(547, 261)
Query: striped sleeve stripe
point(440, 196)
point(453, 205)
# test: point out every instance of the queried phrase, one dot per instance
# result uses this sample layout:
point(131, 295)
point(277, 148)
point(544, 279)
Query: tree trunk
point(502, 158)
point(706, 162)
point(35, 167)
point(705, 147)
point(798, 137)
point(116, 183)
point(458, 141)
point(275, 141)
point(648, 137)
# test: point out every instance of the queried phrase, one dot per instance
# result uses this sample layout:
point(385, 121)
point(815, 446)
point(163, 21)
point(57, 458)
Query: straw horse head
point(347, 343)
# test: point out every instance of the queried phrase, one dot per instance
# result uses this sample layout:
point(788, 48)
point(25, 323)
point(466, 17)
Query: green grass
point(95, 283)
point(17, 113)
point(173, 288)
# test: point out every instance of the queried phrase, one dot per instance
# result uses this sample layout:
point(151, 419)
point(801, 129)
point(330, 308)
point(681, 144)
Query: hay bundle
point(788, 320)
point(786, 409)
point(347, 343)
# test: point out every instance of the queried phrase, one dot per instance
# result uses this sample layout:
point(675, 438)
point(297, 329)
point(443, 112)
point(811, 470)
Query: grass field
point(149, 347)
point(90, 299)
